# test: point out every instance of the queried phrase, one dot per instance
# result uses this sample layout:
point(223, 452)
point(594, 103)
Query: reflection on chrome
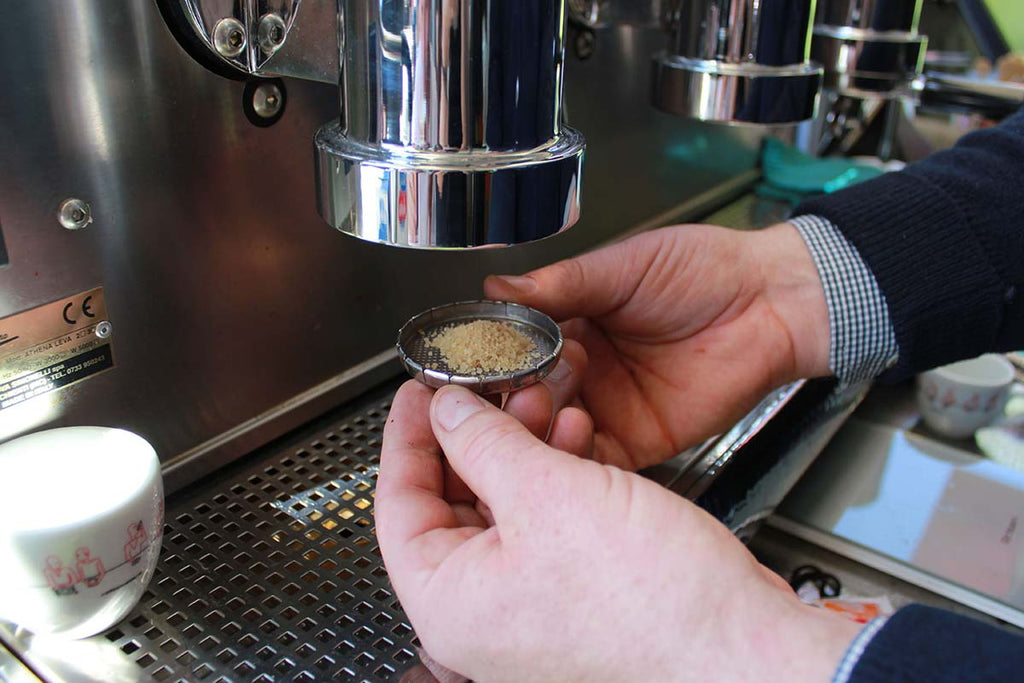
point(450, 132)
point(869, 47)
point(738, 61)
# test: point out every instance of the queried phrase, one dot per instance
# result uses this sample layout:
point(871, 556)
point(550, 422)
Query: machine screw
point(74, 214)
point(267, 100)
point(104, 329)
point(229, 37)
point(583, 44)
point(272, 32)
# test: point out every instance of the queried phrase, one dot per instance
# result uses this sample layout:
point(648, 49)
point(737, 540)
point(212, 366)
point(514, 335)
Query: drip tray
point(269, 571)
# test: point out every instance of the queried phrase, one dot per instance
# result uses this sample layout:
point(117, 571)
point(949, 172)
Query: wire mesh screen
point(272, 572)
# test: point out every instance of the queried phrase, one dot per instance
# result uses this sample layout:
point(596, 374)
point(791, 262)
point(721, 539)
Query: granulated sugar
point(483, 347)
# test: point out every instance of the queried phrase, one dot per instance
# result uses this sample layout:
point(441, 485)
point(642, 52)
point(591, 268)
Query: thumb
point(491, 451)
point(589, 285)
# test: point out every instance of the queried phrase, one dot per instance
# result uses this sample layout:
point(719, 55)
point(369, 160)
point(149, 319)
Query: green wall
point(1009, 14)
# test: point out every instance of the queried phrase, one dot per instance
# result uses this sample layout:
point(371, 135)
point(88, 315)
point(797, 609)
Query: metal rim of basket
point(481, 309)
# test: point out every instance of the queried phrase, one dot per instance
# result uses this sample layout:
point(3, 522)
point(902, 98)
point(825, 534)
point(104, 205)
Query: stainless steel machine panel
point(230, 300)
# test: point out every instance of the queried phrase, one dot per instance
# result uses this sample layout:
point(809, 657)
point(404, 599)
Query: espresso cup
point(81, 518)
point(958, 399)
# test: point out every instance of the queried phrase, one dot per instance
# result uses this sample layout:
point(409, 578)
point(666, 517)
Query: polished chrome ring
point(448, 200)
point(850, 33)
point(863, 63)
point(746, 93)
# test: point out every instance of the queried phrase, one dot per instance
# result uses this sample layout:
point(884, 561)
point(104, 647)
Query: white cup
point(958, 399)
point(81, 517)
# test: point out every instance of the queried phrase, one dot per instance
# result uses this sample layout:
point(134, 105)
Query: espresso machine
point(177, 173)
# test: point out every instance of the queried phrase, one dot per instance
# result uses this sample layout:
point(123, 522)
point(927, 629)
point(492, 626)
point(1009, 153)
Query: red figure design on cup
point(90, 569)
point(972, 404)
point(59, 578)
point(991, 404)
point(948, 399)
point(931, 391)
point(136, 542)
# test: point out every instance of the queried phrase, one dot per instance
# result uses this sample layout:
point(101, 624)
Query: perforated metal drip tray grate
point(270, 571)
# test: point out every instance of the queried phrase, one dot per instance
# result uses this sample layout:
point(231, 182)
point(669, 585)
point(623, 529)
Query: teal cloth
point(790, 175)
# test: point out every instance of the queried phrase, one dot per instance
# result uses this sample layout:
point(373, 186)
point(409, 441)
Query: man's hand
point(685, 328)
point(545, 566)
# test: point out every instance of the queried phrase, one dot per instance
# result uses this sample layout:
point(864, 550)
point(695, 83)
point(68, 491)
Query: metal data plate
point(53, 346)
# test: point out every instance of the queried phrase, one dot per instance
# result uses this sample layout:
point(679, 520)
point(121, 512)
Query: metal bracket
point(264, 38)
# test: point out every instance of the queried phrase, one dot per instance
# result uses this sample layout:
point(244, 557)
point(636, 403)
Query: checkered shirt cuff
point(856, 649)
point(863, 340)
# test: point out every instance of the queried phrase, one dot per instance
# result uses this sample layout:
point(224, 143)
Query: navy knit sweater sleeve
point(933, 646)
point(945, 241)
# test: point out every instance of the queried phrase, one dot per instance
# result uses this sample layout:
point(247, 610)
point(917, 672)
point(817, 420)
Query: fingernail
point(519, 283)
point(455, 405)
point(561, 372)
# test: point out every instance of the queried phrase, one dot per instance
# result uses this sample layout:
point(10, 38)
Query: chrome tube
point(738, 61)
point(450, 133)
point(869, 47)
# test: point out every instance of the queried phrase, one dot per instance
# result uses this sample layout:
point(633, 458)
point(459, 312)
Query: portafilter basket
point(426, 364)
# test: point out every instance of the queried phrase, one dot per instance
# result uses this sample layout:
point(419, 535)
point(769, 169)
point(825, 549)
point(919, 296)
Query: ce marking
point(86, 309)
